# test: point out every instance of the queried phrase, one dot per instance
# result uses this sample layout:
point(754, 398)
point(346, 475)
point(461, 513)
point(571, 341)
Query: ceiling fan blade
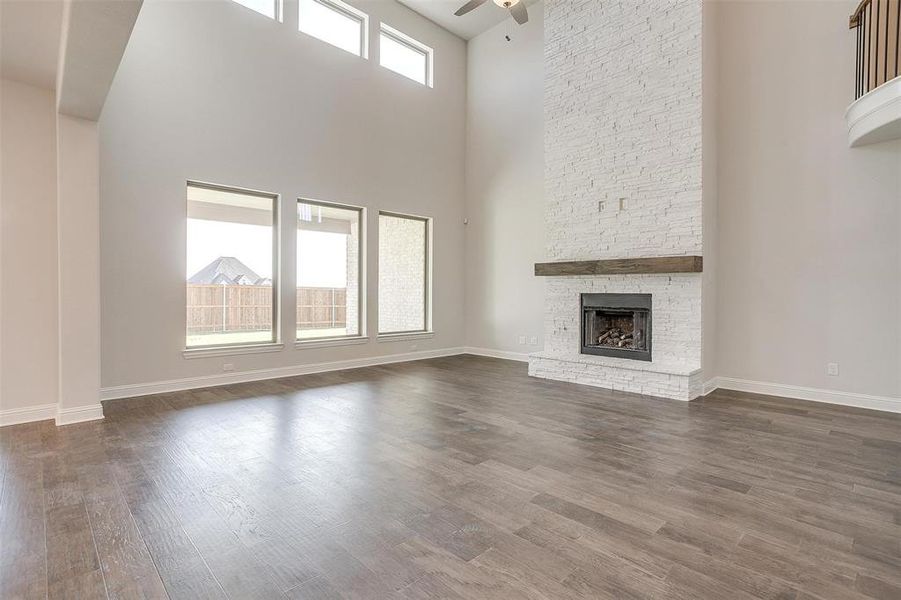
point(469, 6)
point(519, 12)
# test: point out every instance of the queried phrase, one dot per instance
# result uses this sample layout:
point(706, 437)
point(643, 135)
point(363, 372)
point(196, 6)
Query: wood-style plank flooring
point(454, 478)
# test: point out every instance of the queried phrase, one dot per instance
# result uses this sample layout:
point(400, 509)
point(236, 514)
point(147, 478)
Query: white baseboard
point(16, 416)
point(884, 403)
point(710, 385)
point(203, 381)
point(79, 414)
point(520, 356)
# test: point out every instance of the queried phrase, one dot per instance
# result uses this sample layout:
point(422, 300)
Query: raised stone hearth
point(676, 381)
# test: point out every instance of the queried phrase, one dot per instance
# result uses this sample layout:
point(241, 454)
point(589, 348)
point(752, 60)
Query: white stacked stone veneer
point(623, 147)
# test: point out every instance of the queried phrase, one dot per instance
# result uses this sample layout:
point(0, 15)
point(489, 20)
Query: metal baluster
point(869, 46)
point(863, 50)
point(897, 37)
point(876, 62)
point(888, 6)
point(857, 64)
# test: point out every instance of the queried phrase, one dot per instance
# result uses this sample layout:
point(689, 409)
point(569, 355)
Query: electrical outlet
point(832, 369)
point(522, 340)
point(623, 203)
point(601, 205)
point(228, 367)
point(533, 340)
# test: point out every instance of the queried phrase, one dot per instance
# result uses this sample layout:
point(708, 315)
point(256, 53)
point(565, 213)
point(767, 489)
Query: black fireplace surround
point(616, 325)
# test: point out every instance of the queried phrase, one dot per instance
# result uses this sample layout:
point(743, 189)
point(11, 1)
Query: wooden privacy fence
point(218, 308)
point(319, 308)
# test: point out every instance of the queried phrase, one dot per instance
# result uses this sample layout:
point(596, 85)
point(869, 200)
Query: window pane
point(264, 7)
point(402, 273)
point(402, 58)
point(338, 27)
point(230, 263)
point(328, 271)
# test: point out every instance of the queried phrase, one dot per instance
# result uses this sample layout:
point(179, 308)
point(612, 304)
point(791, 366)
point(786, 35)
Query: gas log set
point(617, 338)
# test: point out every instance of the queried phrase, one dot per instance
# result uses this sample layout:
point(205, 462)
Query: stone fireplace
point(616, 325)
point(623, 191)
point(673, 369)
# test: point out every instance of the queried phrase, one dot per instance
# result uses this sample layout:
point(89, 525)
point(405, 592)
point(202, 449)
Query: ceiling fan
point(517, 8)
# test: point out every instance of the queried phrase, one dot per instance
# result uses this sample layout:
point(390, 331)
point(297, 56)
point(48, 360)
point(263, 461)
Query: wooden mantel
point(622, 266)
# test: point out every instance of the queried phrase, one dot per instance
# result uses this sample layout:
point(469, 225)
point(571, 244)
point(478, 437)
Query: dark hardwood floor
point(452, 478)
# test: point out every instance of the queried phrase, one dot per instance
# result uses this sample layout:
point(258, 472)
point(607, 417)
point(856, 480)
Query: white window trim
point(400, 337)
point(412, 44)
point(351, 340)
point(361, 335)
point(389, 336)
point(348, 11)
point(211, 351)
point(278, 9)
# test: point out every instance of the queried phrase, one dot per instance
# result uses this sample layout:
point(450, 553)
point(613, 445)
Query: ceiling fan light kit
point(517, 8)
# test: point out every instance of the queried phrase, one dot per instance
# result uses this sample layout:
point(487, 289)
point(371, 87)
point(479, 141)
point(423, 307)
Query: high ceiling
point(469, 25)
point(29, 40)
point(30, 32)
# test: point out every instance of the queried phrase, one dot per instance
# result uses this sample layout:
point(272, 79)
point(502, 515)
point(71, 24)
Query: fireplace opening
point(617, 325)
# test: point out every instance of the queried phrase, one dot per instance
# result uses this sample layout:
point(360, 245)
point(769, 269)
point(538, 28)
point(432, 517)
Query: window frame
point(278, 10)
point(348, 11)
point(274, 341)
point(414, 45)
point(361, 278)
point(427, 274)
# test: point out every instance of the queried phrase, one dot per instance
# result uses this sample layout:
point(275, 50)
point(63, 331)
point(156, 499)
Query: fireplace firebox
point(617, 325)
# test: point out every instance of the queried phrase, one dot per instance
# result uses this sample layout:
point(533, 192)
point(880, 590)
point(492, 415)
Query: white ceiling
point(469, 25)
point(29, 40)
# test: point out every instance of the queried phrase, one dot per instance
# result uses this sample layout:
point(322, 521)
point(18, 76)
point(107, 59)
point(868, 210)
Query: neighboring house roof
point(228, 270)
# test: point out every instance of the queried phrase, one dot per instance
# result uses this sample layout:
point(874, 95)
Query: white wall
point(809, 255)
point(709, 187)
point(215, 92)
point(504, 186)
point(78, 205)
point(28, 315)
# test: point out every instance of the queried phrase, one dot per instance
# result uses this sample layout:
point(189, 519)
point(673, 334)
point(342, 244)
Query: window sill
point(402, 337)
point(328, 342)
point(231, 350)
